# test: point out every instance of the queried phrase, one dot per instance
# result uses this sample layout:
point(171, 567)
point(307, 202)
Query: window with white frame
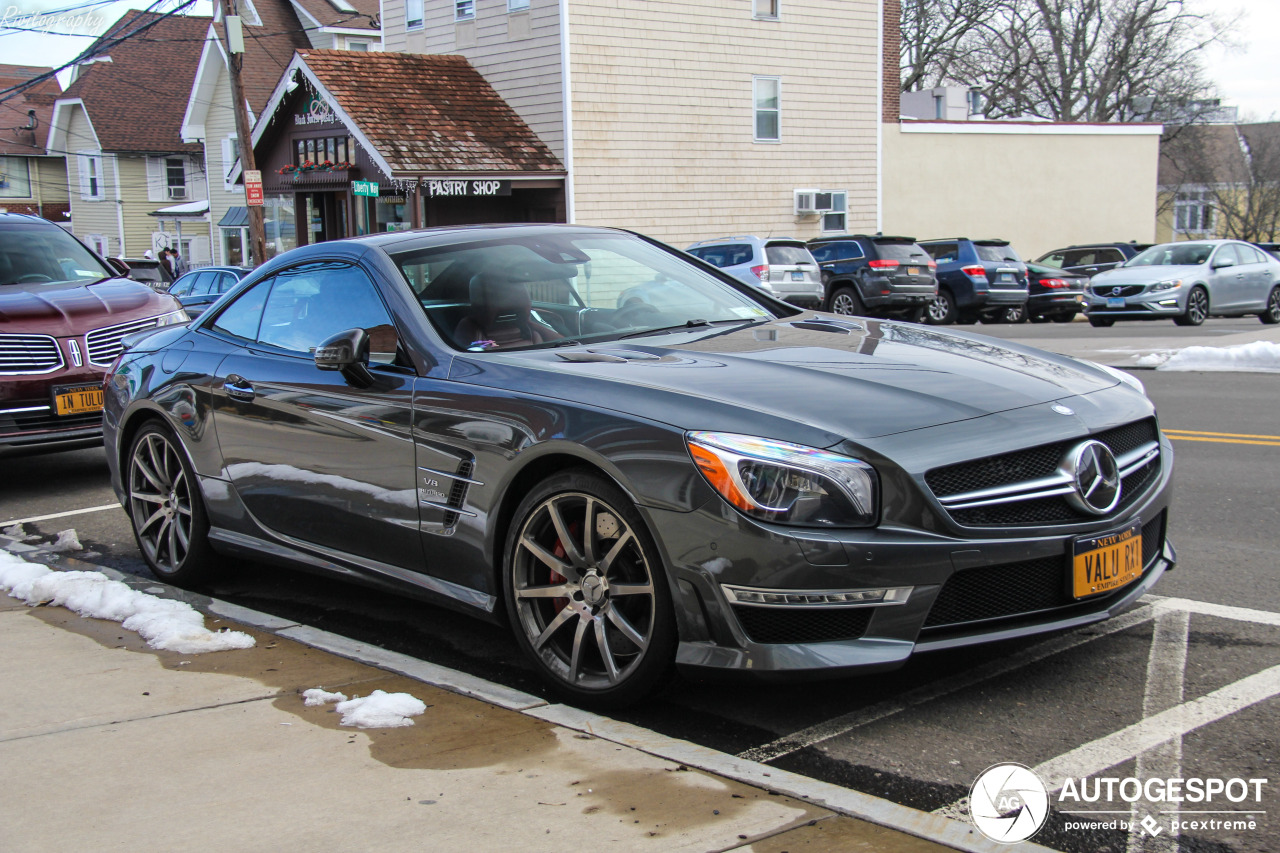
point(764, 9)
point(15, 177)
point(358, 44)
point(464, 10)
point(1193, 212)
point(98, 243)
point(175, 177)
point(91, 176)
point(230, 154)
point(413, 13)
point(517, 5)
point(767, 92)
point(831, 205)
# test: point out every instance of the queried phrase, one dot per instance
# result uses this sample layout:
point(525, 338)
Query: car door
point(1226, 279)
point(1258, 278)
point(319, 457)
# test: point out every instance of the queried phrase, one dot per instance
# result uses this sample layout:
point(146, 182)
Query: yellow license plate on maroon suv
point(77, 399)
point(1105, 563)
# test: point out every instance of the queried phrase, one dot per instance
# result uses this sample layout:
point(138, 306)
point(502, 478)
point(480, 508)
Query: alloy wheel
point(1271, 315)
point(160, 502)
point(583, 591)
point(1197, 306)
point(843, 304)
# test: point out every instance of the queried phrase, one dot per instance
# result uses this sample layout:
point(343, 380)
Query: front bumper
point(1146, 306)
point(27, 416)
point(960, 593)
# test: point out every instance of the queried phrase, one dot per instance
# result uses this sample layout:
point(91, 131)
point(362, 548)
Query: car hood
point(1143, 275)
point(72, 309)
point(850, 378)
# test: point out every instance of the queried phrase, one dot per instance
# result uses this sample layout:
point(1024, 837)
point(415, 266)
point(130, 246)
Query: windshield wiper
point(688, 324)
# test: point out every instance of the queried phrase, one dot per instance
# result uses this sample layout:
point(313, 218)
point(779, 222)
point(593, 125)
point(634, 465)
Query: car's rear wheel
point(166, 509)
point(1101, 322)
point(1271, 315)
point(1066, 317)
point(941, 310)
point(846, 301)
point(1197, 308)
point(586, 592)
point(1014, 314)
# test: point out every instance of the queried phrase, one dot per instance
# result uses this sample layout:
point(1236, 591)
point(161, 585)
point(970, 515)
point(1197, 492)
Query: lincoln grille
point(104, 344)
point(29, 354)
point(803, 624)
point(1017, 589)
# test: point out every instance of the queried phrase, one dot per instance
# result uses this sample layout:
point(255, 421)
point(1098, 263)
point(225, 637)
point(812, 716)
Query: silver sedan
point(1188, 282)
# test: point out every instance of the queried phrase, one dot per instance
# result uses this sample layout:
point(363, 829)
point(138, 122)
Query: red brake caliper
point(559, 551)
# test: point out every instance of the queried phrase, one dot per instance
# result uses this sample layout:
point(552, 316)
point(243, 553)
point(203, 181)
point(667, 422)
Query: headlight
point(1166, 285)
point(1126, 378)
point(787, 483)
point(173, 318)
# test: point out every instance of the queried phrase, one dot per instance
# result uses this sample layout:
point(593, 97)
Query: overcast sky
point(1245, 74)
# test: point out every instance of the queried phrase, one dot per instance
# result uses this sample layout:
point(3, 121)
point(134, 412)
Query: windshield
point(39, 254)
point(1173, 255)
point(553, 289)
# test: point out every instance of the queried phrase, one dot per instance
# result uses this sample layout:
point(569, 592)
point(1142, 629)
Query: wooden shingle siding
point(524, 71)
point(663, 114)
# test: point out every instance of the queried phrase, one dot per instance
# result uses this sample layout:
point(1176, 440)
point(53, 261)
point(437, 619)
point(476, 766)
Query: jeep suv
point(875, 276)
point(1092, 258)
point(780, 266)
point(977, 279)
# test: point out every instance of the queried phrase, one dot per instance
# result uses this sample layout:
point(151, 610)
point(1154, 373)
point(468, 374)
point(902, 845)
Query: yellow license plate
point(78, 400)
point(1105, 563)
point(913, 270)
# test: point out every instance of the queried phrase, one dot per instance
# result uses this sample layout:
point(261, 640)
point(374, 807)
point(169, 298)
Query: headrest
point(496, 297)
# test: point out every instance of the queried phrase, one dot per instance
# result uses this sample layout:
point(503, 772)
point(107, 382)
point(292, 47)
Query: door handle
point(238, 388)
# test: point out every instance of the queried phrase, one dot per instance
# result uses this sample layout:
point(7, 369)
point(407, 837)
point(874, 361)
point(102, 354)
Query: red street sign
point(253, 187)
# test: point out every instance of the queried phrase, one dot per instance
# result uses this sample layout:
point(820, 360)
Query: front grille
point(1019, 589)
point(1036, 463)
point(1125, 290)
point(29, 354)
point(803, 624)
point(42, 418)
point(104, 344)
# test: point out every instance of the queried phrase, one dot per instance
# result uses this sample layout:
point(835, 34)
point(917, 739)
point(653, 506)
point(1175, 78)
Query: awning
point(189, 210)
point(236, 217)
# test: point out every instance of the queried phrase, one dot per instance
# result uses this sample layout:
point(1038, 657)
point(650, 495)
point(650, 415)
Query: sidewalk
point(108, 744)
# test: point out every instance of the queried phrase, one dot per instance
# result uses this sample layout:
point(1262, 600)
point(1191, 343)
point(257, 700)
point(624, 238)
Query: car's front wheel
point(586, 592)
point(941, 310)
point(1197, 308)
point(1014, 314)
point(1101, 322)
point(166, 509)
point(1271, 315)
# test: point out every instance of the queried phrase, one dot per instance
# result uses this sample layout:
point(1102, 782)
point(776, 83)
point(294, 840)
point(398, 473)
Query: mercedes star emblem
point(1095, 477)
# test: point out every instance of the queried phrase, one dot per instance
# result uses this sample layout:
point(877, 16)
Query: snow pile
point(319, 696)
point(378, 710)
point(165, 624)
point(18, 533)
point(1152, 359)
point(67, 541)
point(1257, 357)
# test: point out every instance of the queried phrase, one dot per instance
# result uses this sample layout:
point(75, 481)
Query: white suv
point(780, 266)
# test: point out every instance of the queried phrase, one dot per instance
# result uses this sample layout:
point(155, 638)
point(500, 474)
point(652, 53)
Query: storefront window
point(383, 214)
point(280, 224)
point(233, 246)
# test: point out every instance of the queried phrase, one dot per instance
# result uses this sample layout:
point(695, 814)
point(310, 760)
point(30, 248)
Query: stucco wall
point(663, 114)
point(1039, 186)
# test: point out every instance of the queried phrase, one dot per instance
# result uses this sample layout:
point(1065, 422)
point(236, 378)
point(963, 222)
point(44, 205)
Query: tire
point(1101, 322)
point(593, 645)
point(941, 310)
point(1064, 318)
point(165, 506)
point(1197, 308)
point(845, 300)
point(1271, 315)
point(1038, 318)
point(1014, 314)
point(966, 318)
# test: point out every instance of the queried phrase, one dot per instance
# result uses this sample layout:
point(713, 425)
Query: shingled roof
point(137, 99)
point(427, 114)
point(347, 14)
point(268, 49)
point(40, 96)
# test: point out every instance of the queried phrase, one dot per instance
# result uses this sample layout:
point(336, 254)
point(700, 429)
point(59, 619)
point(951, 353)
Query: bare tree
point(1087, 60)
point(935, 33)
point(1233, 168)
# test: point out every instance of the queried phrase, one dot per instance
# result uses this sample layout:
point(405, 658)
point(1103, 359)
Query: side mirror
point(1219, 263)
point(347, 352)
point(118, 265)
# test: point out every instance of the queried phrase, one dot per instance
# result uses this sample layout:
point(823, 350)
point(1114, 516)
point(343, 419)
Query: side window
point(242, 317)
point(1057, 259)
point(314, 302)
point(823, 253)
point(226, 281)
point(1248, 254)
point(1078, 258)
point(944, 253)
point(204, 284)
point(1226, 252)
point(182, 287)
point(1109, 256)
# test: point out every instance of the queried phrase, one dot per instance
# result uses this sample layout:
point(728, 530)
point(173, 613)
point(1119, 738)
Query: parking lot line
point(848, 722)
point(60, 514)
point(1166, 676)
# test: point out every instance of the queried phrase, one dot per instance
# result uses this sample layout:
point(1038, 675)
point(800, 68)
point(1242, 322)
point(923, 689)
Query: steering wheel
point(632, 311)
point(33, 278)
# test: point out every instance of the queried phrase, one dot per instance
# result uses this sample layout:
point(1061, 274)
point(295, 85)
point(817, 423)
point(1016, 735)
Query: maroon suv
point(63, 313)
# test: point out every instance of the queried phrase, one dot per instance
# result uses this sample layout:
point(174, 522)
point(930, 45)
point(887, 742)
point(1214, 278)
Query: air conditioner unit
point(176, 193)
point(806, 202)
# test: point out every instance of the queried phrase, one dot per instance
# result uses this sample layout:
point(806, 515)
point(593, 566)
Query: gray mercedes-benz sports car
point(489, 418)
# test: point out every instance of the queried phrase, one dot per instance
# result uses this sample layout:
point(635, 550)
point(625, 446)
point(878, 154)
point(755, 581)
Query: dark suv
point(875, 276)
point(1092, 258)
point(977, 279)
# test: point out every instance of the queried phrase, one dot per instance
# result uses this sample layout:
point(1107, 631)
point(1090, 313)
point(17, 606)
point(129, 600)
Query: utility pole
point(234, 42)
